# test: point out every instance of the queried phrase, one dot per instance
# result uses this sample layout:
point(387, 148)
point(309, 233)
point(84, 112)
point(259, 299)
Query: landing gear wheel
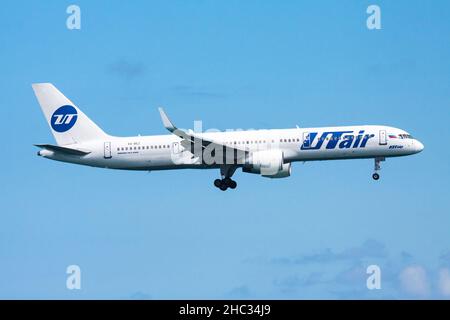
point(226, 172)
point(225, 183)
point(217, 183)
point(229, 183)
point(377, 168)
point(223, 187)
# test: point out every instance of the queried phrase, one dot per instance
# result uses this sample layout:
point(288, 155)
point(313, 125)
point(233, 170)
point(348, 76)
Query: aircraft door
point(176, 148)
point(107, 150)
point(306, 140)
point(383, 138)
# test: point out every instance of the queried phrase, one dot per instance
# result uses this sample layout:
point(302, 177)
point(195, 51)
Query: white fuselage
point(163, 152)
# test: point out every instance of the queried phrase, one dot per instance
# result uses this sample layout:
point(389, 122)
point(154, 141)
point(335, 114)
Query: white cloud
point(444, 282)
point(414, 281)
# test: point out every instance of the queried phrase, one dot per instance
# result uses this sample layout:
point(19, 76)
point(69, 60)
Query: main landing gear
point(226, 181)
point(224, 184)
point(375, 175)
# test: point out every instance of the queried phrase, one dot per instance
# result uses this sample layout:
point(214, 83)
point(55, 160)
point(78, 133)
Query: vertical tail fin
point(68, 123)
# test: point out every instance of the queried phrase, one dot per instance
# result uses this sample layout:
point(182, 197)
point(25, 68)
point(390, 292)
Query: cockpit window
point(405, 136)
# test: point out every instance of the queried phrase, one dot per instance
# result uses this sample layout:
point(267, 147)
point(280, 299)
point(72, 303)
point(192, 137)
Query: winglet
point(166, 121)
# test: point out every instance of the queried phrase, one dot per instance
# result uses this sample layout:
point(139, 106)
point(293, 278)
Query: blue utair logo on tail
point(64, 118)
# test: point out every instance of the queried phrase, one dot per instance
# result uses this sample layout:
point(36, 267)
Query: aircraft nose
point(418, 145)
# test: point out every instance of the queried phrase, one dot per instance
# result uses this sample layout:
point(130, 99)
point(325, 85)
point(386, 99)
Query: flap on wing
point(60, 149)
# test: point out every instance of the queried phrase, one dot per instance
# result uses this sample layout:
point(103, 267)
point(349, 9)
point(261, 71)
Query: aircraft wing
point(191, 138)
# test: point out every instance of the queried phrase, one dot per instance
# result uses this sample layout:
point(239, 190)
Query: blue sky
point(231, 64)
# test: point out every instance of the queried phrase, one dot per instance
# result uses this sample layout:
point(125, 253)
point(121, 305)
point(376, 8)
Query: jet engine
point(268, 163)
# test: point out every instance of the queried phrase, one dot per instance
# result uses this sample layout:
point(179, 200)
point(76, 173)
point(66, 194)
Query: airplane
point(268, 152)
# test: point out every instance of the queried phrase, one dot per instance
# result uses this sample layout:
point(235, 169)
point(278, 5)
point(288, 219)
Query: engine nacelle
point(283, 173)
point(268, 163)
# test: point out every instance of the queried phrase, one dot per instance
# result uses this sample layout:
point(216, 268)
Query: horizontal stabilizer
point(66, 150)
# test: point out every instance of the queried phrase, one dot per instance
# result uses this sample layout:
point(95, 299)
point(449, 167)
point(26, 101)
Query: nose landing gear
point(376, 176)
